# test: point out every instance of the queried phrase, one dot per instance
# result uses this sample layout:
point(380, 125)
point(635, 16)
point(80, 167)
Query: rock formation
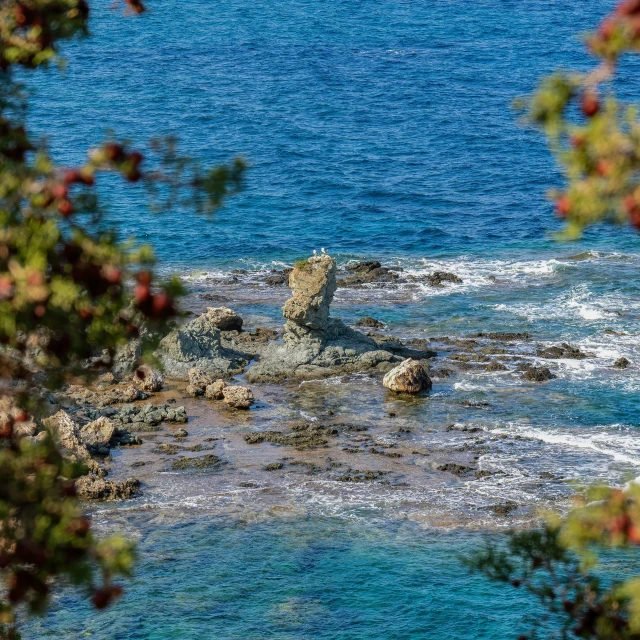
point(314, 344)
point(198, 344)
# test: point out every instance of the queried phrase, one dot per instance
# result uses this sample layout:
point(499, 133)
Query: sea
point(380, 131)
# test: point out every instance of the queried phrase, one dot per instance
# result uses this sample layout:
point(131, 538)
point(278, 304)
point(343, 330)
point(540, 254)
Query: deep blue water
point(381, 130)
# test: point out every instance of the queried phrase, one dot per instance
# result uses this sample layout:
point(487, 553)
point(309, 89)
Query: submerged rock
point(538, 374)
point(408, 377)
point(621, 363)
point(438, 278)
point(563, 351)
point(368, 321)
point(315, 345)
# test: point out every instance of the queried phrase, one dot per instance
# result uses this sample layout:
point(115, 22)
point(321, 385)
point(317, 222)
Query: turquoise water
point(303, 579)
point(382, 131)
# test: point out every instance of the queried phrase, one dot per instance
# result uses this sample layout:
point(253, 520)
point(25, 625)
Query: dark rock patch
point(538, 374)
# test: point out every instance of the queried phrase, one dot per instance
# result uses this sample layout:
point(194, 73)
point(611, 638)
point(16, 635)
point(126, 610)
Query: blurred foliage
point(597, 142)
point(559, 564)
point(70, 294)
point(594, 136)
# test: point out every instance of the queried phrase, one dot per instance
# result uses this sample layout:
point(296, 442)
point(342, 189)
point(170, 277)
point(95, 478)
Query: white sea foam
point(620, 443)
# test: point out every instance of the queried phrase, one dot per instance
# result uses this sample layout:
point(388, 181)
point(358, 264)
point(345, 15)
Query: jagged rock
point(409, 376)
point(563, 351)
point(198, 382)
point(97, 434)
point(315, 345)
point(538, 374)
point(238, 397)
point(180, 433)
point(93, 488)
point(215, 390)
point(621, 363)
point(368, 321)
point(198, 344)
point(313, 283)
point(66, 432)
point(126, 358)
point(225, 319)
point(148, 379)
point(368, 271)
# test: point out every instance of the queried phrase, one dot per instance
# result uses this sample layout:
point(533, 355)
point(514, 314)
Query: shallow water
point(380, 132)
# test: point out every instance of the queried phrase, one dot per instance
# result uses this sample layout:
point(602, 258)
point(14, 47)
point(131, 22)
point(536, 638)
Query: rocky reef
point(314, 344)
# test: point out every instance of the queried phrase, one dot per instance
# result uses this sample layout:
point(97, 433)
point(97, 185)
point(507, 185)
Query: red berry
point(133, 175)
point(628, 8)
point(135, 158)
point(101, 598)
point(65, 208)
point(604, 167)
point(114, 151)
point(112, 274)
point(86, 177)
point(144, 278)
point(590, 104)
point(59, 191)
point(162, 305)
point(142, 293)
point(563, 206)
point(6, 429)
point(577, 140)
point(607, 28)
point(71, 176)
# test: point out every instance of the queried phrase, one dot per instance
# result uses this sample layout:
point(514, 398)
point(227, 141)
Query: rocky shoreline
point(134, 426)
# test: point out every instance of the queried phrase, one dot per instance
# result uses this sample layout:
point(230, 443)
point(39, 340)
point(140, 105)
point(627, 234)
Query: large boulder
point(315, 345)
point(225, 319)
point(197, 344)
point(409, 376)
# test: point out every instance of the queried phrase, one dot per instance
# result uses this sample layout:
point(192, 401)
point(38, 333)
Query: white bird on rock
point(315, 253)
point(324, 253)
